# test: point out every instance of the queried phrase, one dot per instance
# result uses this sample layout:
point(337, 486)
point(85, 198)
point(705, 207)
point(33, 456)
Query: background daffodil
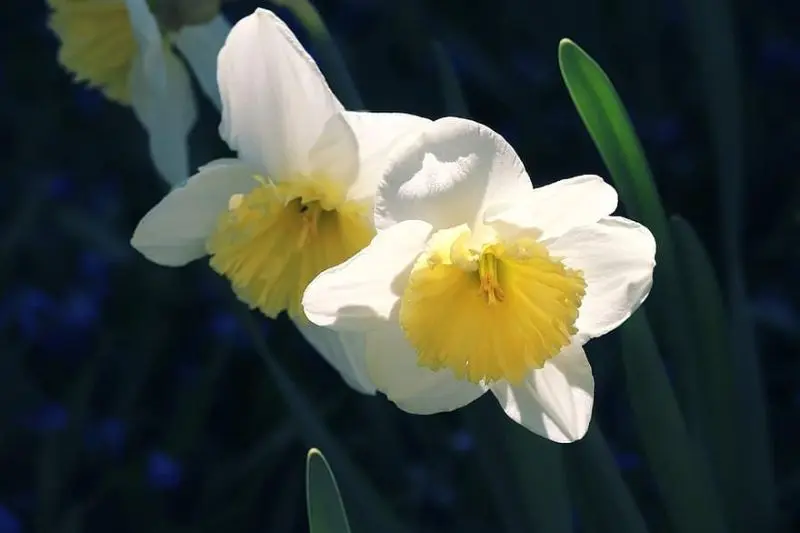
point(478, 282)
point(124, 48)
point(298, 199)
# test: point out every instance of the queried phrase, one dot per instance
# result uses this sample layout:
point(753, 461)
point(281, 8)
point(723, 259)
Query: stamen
point(310, 214)
point(490, 280)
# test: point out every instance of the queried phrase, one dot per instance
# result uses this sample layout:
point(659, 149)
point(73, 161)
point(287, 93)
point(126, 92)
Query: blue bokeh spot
point(163, 472)
point(8, 522)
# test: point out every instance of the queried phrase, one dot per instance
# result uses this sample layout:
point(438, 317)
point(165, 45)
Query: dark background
point(131, 398)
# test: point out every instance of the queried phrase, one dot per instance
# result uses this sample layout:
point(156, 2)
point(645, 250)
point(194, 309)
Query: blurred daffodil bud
point(126, 49)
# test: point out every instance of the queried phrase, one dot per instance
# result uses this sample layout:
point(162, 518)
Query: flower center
point(97, 43)
point(487, 273)
point(489, 312)
point(275, 239)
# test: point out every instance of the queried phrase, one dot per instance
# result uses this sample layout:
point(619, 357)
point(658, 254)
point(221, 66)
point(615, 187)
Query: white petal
point(174, 232)
point(392, 366)
point(200, 45)
point(167, 113)
point(617, 257)
point(335, 153)
point(362, 292)
point(275, 101)
point(377, 135)
point(343, 351)
point(556, 400)
point(556, 208)
point(449, 175)
point(149, 40)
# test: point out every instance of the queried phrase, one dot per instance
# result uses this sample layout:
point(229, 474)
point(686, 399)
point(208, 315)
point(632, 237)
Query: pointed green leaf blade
point(326, 512)
point(712, 26)
point(727, 451)
point(681, 475)
point(607, 122)
point(603, 498)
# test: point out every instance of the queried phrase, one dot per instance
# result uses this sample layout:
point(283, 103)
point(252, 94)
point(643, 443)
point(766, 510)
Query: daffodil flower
point(477, 282)
point(124, 48)
point(299, 197)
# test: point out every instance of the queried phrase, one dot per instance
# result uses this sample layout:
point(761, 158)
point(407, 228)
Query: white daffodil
point(125, 49)
point(298, 199)
point(478, 282)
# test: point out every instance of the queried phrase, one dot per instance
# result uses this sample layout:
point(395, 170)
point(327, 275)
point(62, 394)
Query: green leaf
point(682, 477)
point(604, 500)
point(536, 463)
point(331, 61)
point(371, 510)
point(728, 450)
point(610, 128)
point(717, 364)
point(515, 466)
point(326, 512)
point(712, 29)
point(608, 123)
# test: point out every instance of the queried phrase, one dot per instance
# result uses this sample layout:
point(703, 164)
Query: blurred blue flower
point(228, 328)
point(105, 199)
point(79, 310)
point(94, 265)
point(163, 472)
point(780, 53)
point(776, 311)
point(93, 268)
point(60, 187)
point(8, 522)
point(89, 100)
point(224, 325)
point(32, 306)
point(461, 441)
point(107, 435)
point(628, 460)
point(534, 69)
point(666, 130)
point(47, 418)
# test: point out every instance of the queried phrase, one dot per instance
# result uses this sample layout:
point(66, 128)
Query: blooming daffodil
point(126, 49)
point(477, 282)
point(298, 199)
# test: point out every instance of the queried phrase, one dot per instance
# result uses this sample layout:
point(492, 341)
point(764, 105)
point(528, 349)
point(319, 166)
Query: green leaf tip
point(565, 42)
point(326, 512)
